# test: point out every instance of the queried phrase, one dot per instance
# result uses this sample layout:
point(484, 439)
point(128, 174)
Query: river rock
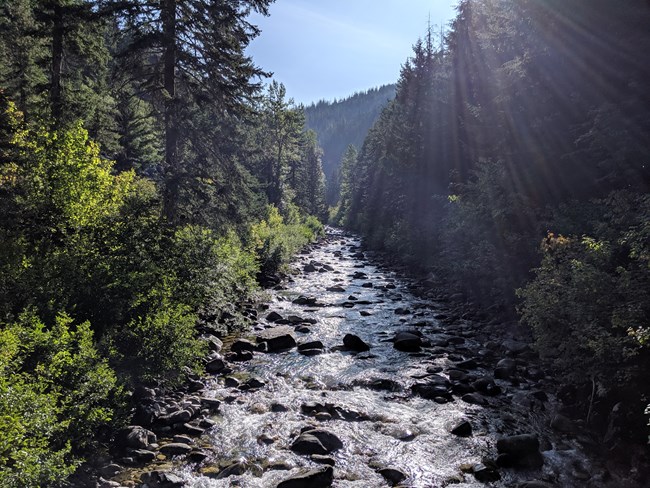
point(308, 444)
point(474, 399)
point(462, 429)
point(277, 338)
point(563, 424)
point(306, 346)
point(241, 345)
point(175, 449)
point(274, 317)
point(214, 343)
point(176, 417)
point(161, 479)
point(393, 476)
point(315, 478)
point(309, 268)
point(355, 343)
point(505, 369)
point(523, 449)
point(136, 437)
point(535, 484)
point(336, 289)
point(485, 474)
point(330, 441)
point(486, 386)
point(407, 342)
point(303, 300)
point(215, 364)
point(110, 470)
point(235, 469)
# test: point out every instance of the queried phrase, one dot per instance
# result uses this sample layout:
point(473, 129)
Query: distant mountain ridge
point(343, 122)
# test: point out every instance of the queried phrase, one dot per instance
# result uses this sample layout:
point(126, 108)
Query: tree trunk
point(171, 184)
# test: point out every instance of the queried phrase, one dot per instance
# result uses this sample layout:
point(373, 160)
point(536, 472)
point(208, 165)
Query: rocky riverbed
point(356, 377)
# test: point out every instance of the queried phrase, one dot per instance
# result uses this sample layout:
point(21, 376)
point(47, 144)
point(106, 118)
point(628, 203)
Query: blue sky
point(327, 49)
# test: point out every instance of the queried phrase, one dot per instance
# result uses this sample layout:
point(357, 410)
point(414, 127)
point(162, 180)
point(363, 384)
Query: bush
point(589, 303)
point(55, 394)
point(274, 242)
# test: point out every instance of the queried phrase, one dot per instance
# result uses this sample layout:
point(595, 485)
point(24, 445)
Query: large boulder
point(355, 343)
point(277, 339)
point(407, 342)
point(316, 441)
point(315, 478)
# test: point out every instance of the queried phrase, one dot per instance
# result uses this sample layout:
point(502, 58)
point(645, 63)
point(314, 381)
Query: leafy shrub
point(274, 242)
point(55, 394)
point(589, 303)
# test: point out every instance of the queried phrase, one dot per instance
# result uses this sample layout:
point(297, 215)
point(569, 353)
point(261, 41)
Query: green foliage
point(274, 242)
point(589, 302)
point(55, 393)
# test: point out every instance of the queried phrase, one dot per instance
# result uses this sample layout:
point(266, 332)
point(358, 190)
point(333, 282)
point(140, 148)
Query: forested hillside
point(341, 123)
point(146, 183)
point(513, 167)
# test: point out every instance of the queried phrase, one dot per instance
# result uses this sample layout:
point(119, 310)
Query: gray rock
point(277, 338)
point(330, 441)
point(137, 437)
point(175, 449)
point(308, 444)
point(241, 345)
point(355, 343)
point(161, 479)
point(214, 343)
point(407, 342)
point(321, 459)
point(505, 369)
point(485, 474)
point(315, 478)
point(309, 268)
point(144, 455)
point(235, 469)
point(336, 289)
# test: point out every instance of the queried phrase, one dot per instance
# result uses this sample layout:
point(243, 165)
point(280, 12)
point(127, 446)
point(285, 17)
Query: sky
point(330, 49)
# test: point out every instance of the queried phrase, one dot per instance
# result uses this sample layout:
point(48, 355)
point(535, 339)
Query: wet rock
point(303, 300)
point(211, 404)
point(462, 429)
point(214, 343)
point(308, 444)
point(274, 317)
point(252, 384)
point(231, 382)
point(311, 352)
point(241, 356)
point(197, 456)
point(241, 345)
point(336, 289)
point(365, 313)
point(367, 285)
point(175, 449)
point(309, 268)
point(430, 391)
point(474, 399)
point(329, 441)
point(235, 469)
point(320, 459)
point(485, 474)
point(295, 319)
point(359, 276)
point(407, 342)
point(305, 346)
point(486, 386)
point(393, 476)
point(535, 484)
point(303, 329)
point(161, 479)
point(182, 439)
point(277, 339)
point(402, 311)
point(215, 365)
point(563, 424)
point(355, 343)
point(523, 448)
point(278, 407)
point(515, 347)
point(505, 369)
point(315, 478)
